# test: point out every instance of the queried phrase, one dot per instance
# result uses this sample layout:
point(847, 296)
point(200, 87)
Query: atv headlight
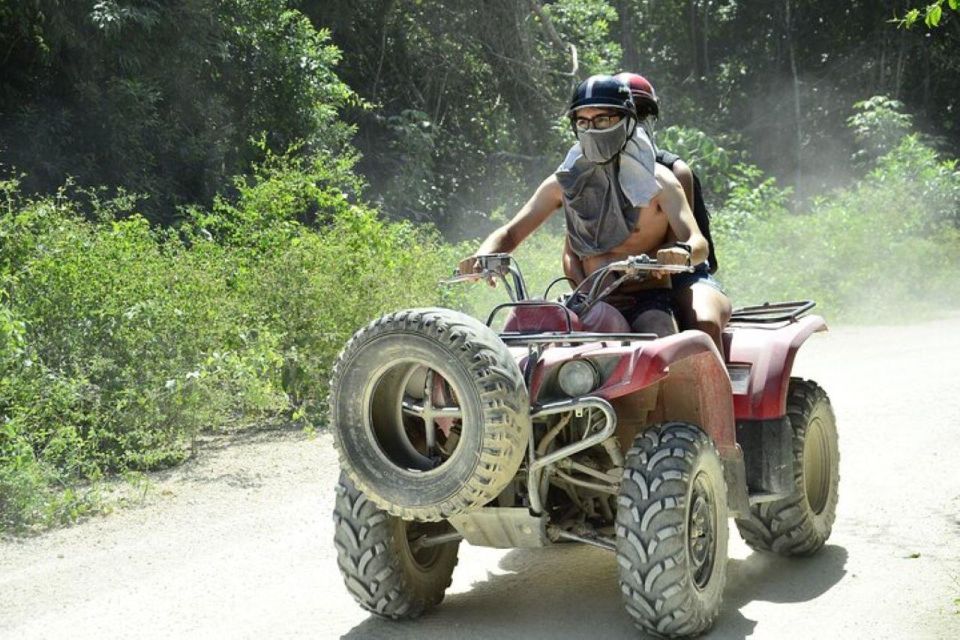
point(578, 378)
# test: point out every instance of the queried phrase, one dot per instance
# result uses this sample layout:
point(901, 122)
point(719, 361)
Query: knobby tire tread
point(503, 396)
point(651, 532)
point(787, 526)
point(369, 558)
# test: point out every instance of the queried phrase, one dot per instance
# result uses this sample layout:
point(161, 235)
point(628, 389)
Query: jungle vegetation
point(201, 200)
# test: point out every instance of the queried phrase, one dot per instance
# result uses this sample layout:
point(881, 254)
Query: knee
point(712, 312)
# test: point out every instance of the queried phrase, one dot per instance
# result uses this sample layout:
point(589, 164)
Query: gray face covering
point(600, 201)
point(601, 145)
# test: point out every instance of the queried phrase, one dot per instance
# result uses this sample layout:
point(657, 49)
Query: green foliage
point(931, 13)
point(878, 126)
point(886, 249)
point(466, 98)
point(709, 156)
point(162, 99)
point(120, 342)
point(737, 192)
point(588, 24)
point(752, 198)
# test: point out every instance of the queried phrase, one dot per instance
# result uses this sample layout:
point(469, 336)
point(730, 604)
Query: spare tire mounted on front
point(430, 413)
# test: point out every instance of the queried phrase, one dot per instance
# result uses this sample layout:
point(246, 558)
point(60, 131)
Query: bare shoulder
point(682, 171)
point(549, 194)
point(684, 174)
point(666, 179)
point(550, 184)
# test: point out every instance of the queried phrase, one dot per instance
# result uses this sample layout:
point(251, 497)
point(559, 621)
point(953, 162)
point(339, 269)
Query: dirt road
point(238, 542)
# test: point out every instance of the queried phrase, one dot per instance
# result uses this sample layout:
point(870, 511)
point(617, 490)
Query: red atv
point(549, 432)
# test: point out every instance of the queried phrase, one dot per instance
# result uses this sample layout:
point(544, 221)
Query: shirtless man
point(699, 300)
point(603, 117)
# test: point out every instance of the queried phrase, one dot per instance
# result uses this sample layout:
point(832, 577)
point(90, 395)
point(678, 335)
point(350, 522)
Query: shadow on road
point(571, 592)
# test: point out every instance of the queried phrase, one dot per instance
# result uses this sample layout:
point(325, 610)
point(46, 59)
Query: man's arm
point(534, 213)
point(673, 202)
point(685, 175)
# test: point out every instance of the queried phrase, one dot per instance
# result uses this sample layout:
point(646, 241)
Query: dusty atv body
point(546, 432)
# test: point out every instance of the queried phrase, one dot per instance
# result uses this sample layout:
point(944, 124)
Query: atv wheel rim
point(817, 465)
point(423, 558)
point(414, 415)
point(702, 531)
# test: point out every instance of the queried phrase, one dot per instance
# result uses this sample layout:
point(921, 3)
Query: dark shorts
point(700, 275)
point(646, 311)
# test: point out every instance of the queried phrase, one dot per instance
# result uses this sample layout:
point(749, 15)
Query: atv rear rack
point(771, 312)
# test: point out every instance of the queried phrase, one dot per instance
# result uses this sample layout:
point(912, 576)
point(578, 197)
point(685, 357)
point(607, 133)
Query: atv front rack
point(771, 312)
point(516, 339)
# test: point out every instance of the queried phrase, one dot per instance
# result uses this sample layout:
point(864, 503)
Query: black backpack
point(700, 212)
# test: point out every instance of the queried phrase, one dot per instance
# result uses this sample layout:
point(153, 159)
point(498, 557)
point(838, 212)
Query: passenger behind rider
point(699, 300)
point(617, 202)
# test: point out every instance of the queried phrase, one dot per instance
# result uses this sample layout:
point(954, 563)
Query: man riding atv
point(617, 202)
point(699, 299)
point(563, 428)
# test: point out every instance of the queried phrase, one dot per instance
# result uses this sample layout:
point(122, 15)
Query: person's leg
point(654, 320)
point(710, 309)
point(683, 307)
point(652, 312)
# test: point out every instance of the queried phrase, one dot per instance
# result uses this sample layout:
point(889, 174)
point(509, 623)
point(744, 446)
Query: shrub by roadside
point(121, 342)
point(887, 249)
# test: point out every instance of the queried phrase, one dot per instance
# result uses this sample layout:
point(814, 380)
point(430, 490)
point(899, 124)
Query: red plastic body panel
point(690, 359)
point(770, 352)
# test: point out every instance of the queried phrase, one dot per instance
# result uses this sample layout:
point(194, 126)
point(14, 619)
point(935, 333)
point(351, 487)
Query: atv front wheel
point(430, 413)
point(672, 531)
point(801, 523)
point(382, 561)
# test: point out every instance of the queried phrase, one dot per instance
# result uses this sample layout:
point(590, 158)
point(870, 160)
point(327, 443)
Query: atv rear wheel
point(672, 531)
point(430, 413)
point(801, 523)
point(382, 561)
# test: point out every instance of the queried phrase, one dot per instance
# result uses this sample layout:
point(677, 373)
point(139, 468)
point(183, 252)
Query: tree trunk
point(796, 99)
point(901, 55)
point(705, 32)
point(384, 12)
point(694, 40)
point(628, 43)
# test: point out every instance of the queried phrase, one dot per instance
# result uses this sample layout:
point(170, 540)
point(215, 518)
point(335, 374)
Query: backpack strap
point(666, 158)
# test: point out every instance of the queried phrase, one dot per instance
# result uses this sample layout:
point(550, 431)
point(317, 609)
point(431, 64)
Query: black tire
point(383, 444)
point(379, 567)
point(672, 531)
point(801, 523)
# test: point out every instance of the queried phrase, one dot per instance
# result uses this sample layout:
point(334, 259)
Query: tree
point(161, 98)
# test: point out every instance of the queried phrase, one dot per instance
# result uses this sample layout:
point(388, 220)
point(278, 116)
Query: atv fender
point(769, 352)
point(693, 384)
point(676, 378)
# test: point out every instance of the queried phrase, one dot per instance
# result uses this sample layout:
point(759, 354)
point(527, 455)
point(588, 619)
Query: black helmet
point(602, 91)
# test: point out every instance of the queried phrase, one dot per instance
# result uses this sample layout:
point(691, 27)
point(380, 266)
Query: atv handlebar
point(501, 266)
point(645, 264)
point(495, 266)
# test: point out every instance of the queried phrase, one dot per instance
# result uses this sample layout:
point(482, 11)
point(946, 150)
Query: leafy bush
point(120, 342)
point(878, 125)
point(162, 98)
point(886, 249)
